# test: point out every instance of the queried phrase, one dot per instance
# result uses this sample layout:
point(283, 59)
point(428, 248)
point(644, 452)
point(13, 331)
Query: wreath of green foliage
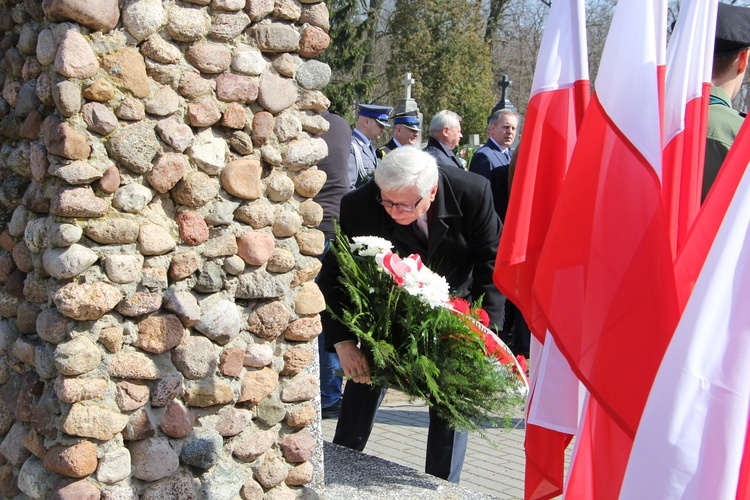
point(427, 353)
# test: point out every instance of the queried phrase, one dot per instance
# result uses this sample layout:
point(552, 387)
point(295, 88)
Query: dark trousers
point(514, 322)
point(446, 447)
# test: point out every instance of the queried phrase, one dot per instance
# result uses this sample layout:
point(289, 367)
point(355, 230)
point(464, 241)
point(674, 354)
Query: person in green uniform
point(731, 51)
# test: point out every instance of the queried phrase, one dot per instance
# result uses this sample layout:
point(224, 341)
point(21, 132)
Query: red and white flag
point(560, 93)
point(688, 86)
point(693, 438)
point(553, 408)
point(605, 280)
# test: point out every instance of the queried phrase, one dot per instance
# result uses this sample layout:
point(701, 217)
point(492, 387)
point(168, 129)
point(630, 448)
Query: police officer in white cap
point(371, 124)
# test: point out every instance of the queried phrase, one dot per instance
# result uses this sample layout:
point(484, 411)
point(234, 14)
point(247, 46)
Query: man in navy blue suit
point(493, 159)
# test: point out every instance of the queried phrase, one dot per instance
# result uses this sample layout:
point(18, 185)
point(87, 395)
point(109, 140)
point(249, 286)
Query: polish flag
point(553, 407)
point(693, 441)
point(560, 93)
point(605, 279)
point(688, 86)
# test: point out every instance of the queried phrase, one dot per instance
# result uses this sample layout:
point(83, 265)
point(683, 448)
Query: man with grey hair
point(445, 134)
point(444, 215)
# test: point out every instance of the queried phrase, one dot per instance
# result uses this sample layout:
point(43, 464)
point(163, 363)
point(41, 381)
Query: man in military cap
point(371, 123)
point(406, 129)
point(731, 51)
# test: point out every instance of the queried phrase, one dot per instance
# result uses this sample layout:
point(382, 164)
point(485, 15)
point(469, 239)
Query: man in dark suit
point(444, 215)
point(492, 160)
point(445, 134)
point(406, 129)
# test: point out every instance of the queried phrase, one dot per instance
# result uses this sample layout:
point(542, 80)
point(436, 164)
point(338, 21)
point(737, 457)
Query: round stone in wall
point(220, 320)
point(132, 198)
point(67, 262)
point(134, 146)
point(123, 268)
point(195, 189)
point(94, 14)
point(313, 75)
point(187, 24)
point(86, 301)
point(195, 357)
point(249, 61)
point(77, 356)
point(276, 93)
point(75, 58)
point(143, 18)
point(209, 57)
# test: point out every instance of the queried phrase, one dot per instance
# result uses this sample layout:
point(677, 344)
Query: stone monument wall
point(158, 310)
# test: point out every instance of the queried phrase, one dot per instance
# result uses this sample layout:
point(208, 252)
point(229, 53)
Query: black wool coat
point(464, 232)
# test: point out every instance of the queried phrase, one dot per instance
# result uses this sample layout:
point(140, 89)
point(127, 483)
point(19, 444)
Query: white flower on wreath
point(429, 286)
point(370, 246)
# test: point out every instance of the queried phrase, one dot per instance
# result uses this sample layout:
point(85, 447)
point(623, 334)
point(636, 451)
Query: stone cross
point(504, 83)
point(407, 82)
point(503, 103)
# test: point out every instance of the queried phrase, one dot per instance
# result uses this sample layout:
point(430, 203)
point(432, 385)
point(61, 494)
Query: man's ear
point(743, 57)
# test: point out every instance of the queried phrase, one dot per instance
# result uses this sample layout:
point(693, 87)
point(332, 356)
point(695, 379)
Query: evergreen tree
point(352, 30)
point(441, 42)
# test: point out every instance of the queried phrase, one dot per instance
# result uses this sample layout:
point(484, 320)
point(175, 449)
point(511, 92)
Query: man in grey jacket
point(371, 124)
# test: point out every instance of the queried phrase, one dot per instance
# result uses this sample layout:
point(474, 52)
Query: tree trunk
point(373, 14)
point(493, 20)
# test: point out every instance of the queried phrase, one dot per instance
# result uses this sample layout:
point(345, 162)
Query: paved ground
point(400, 436)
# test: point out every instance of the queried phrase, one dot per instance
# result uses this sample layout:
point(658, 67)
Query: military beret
point(379, 113)
point(732, 29)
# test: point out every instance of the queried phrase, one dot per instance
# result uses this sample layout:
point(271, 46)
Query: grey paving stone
point(491, 470)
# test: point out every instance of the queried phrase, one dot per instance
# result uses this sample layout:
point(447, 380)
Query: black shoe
point(332, 411)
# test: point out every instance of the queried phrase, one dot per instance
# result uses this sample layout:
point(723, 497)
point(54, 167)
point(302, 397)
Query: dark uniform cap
point(732, 29)
point(410, 119)
point(379, 113)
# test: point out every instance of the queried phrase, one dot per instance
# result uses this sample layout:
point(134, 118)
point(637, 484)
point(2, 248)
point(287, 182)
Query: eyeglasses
point(400, 206)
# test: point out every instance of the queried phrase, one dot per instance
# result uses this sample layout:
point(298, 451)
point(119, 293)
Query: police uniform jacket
point(389, 146)
point(464, 231)
point(362, 160)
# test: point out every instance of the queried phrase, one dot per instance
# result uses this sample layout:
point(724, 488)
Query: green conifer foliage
point(441, 42)
point(350, 44)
